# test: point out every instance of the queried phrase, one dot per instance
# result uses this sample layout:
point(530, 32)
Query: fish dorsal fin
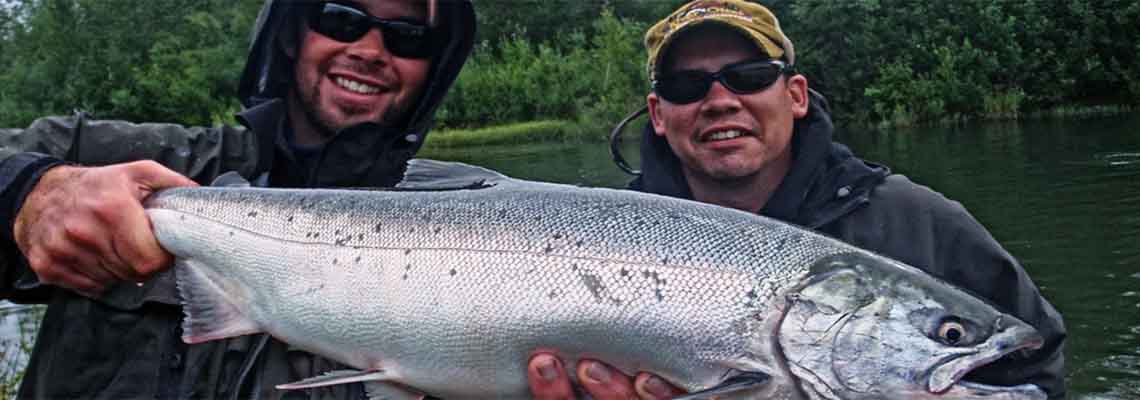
point(336, 378)
point(424, 174)
point(230, 179)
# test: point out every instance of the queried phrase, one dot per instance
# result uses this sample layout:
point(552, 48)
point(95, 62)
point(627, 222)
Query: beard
point(328, 122)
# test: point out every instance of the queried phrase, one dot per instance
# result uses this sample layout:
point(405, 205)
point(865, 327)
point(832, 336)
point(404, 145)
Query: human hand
point(84, 228)
point(548, 381)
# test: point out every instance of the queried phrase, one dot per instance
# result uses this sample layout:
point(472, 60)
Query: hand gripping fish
point(447, 284)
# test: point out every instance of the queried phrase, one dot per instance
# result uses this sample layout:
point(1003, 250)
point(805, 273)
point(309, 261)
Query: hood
point(825, 182)
point(268, 71)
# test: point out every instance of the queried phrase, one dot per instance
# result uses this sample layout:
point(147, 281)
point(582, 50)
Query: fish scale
point(450, 291)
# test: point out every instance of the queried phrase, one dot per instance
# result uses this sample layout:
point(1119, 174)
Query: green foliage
point(591, 78)
point(503, 134)
point(164, 60)
point(900, 61)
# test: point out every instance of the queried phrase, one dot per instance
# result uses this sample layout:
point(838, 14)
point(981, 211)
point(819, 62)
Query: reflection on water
point(1062, 196)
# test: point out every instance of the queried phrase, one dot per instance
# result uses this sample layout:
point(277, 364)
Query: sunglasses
point(347, 24)
point(684, 87)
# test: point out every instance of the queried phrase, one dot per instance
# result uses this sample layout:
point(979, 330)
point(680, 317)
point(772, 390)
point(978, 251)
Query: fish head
point(862, 326)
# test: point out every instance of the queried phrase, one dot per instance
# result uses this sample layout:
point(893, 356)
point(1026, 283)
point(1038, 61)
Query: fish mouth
point(946, 377)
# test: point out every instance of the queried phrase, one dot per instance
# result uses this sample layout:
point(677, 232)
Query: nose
point(370, 48)
point(720, 100)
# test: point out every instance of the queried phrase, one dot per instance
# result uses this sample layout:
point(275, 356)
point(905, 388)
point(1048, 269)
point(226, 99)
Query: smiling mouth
point(355, 86)
point(723, 135)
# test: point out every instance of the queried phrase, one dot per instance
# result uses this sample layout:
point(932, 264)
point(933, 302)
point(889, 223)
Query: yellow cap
point(753, 20)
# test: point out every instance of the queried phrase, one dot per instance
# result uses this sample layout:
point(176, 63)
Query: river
point(1062, 196)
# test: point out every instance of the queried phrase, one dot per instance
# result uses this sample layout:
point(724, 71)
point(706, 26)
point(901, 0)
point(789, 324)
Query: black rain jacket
point(126, 344)
point(830, 190)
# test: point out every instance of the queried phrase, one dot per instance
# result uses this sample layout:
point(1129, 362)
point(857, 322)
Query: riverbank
point(514, 133)
point(563, 130)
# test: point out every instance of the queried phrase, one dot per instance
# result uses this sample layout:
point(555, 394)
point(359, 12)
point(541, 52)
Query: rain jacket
point(126, 344)
point(830, 190)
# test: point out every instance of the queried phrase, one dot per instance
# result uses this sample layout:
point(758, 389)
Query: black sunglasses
point(346, 24)
point(747, 77)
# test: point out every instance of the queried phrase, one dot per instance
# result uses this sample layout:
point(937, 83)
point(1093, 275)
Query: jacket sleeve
point(25, 154)
point(920, 227)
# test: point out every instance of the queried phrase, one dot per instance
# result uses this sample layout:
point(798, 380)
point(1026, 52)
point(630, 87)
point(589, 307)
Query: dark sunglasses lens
point(750, 78)
point(340, 23)
point(407, 40)
point(685, 87)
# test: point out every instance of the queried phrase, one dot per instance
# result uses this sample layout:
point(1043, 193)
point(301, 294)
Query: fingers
point(650, 386)
point(152, 176)
point(85, 228)
point(134, 240)
point(603, 382)
point(548, 379)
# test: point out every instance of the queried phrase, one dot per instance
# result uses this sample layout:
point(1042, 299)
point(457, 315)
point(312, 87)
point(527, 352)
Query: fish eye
point(951, 332)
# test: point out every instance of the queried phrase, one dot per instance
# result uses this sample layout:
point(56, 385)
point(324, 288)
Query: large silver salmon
point(449, 291)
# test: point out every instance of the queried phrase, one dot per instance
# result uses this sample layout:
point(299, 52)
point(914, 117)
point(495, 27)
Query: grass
point(516, 133)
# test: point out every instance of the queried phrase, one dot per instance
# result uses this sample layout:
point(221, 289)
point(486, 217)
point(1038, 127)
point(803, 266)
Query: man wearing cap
point(733, 124)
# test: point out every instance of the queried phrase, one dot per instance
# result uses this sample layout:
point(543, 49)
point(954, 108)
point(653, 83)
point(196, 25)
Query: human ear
point(655, 115)
point(798, 91)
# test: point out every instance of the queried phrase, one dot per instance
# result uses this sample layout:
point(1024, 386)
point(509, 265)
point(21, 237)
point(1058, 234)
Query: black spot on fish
point(557, 236)
point(665, 260)
point(290, 219)
point(436, 230)
point(357, 259)
point(657, 292)
point(231, 233)
point(405, 277)
point(411, 230)
point(573, 267)
point(407, 251)
point(624, 272)
point(548, 249)
point(453, 272)
point(337, 232)
point(408, 267)
point(378, 227)
point(752, 294)
point(579, 243)
point(335, 261)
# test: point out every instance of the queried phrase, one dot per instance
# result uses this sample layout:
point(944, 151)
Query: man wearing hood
point(733, 124)
point(335, 94)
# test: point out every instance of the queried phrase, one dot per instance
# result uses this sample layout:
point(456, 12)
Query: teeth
point(356, 86)
point(722, 135)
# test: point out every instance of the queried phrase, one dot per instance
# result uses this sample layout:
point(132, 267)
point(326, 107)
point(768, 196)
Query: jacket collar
point(825, 182)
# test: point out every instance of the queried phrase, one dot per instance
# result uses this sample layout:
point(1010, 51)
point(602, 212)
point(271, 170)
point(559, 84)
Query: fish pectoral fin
point(745, 381)
point(336, 378)
point(391, 391)
point(210, 313)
